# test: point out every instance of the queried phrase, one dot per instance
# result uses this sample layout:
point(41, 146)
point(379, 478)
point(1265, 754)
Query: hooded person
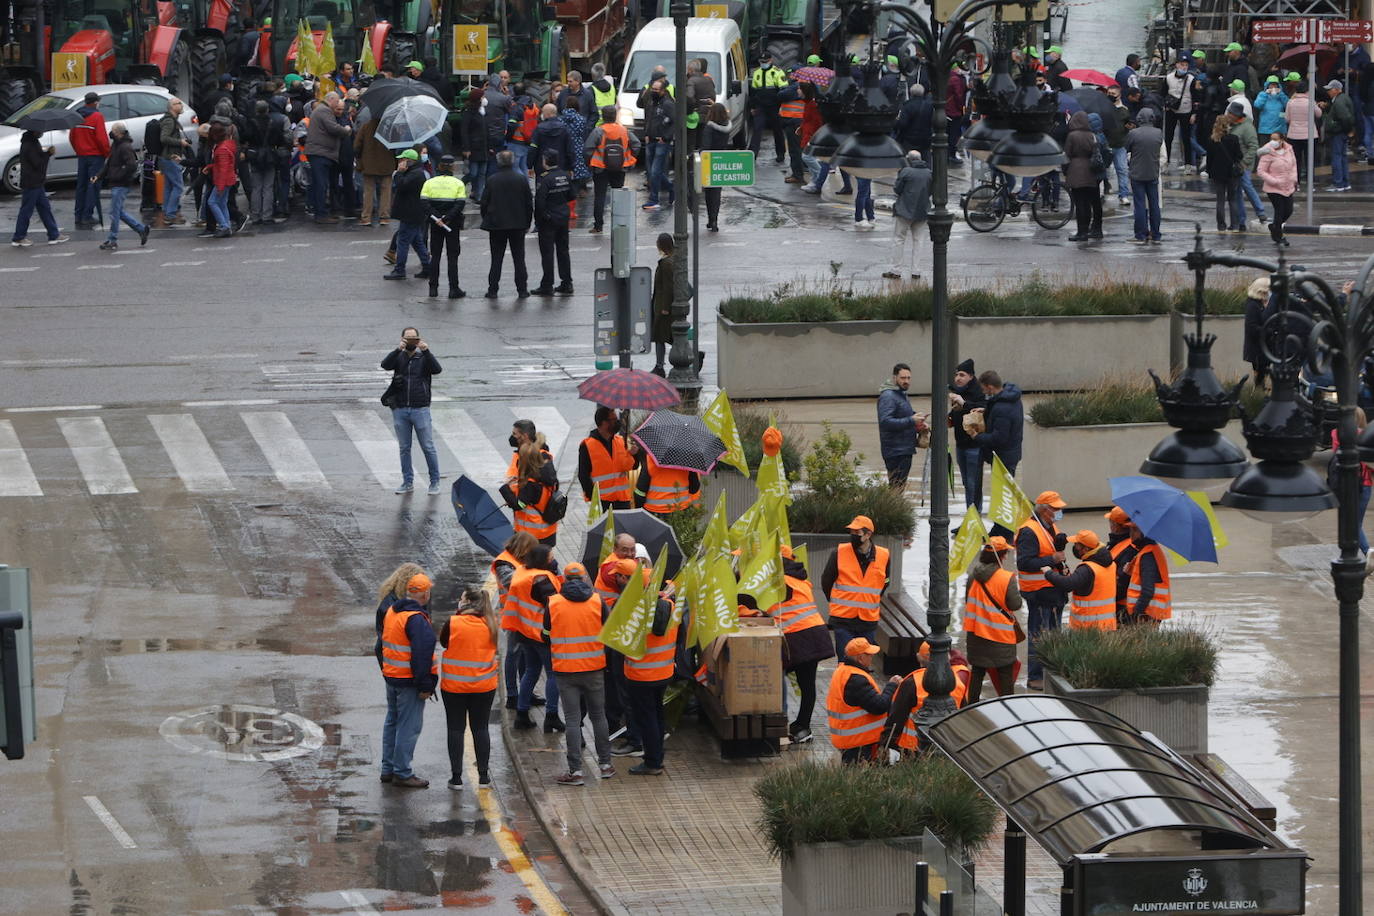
point(603, 91)
point(1142, 152)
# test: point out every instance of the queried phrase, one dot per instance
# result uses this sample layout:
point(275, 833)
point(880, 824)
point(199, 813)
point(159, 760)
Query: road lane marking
point(182, 263)
point(373, 440)
point(55, 254)
point(346, 257)
point(17, 270)
point(16, 475)
point(191, 455)
point(100, 267)
point(263, 260)
point(540, 892)
point(96, 456)
point(135, 251)
point(300, 244)
point(371, 242)
point(120, 834)
point(250, 402)
point(285, 450)
point(55, 409)
point(216, 248)
point(481, 460)
point(550, 422)
point(360, 904)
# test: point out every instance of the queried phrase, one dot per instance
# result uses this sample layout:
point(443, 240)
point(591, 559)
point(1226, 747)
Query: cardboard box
point(745, 668)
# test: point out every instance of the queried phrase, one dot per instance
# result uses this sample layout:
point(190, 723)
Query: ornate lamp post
point(682, 357)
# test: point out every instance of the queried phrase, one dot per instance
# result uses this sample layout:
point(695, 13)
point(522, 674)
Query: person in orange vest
point(611, 152)
point(1040, 546)
point(854, 705)
point(393, 589)
point(854, 579)
point(604, 461)
point(646, 679)
point(528, 493)
point(522, 432)
point(1092, 586)
point(528, 599)
point(664, 491)
point(805, 642)
point(467, 680)
point(574, 621)
point(611, 581)
point(901, 726)
point(991, 601)
point(1123, 551)
point(791, 110)
point(1148, 598)
point(408, 669)
point(511, 558)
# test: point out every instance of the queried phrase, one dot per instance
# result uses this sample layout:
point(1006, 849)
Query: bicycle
point(995, 198)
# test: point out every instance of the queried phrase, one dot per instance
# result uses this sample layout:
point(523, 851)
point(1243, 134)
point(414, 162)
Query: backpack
point(613, 155)
point(152, 138)
point(556, 508)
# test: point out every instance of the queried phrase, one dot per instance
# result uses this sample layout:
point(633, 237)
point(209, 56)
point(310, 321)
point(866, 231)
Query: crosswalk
point(223, 448)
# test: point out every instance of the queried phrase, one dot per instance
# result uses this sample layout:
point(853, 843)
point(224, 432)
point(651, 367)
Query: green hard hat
point(408, 154)
point(1293, 76)
point(1200, 54)
point(813, 60)
point(415, 64)
point(1238, 85)
point(1271, 78)
point(1233, 46)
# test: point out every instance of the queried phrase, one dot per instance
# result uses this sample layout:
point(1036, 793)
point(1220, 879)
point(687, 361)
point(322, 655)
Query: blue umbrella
point(480, 515)
point(1166, 514)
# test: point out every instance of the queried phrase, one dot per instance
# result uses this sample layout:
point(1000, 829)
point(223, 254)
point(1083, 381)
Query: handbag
point(393, 392)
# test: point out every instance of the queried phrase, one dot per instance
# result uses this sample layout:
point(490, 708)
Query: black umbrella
point(645, 527)
point(480, 516)
point(1094, 101)
point(49, 119)
point(381, 93)
point(680, 441)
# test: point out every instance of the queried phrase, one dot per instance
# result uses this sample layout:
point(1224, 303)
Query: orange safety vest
point(851, 726)
point(1161, 606)
point(513, 469)
point(614, 132)
point(607, 593)
point(858, 594)
point(468, 664)
point(793, 109)
point(985, 610)
point(962, 673)
point(529, 120)
point(508, 615)
point(575, 634)
point(1033, 582)
point(609, 468)
point(504, 556)
point(527, 614)
point(531, 518)
point(798, 612)
point(396, 644)
point(669, 489)
point(657, 663)
point(1097, 609)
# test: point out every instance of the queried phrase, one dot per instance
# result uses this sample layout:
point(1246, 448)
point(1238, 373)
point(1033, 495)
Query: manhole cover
point(239, 732)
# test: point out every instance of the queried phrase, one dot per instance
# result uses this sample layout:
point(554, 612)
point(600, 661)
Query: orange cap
point(1087, 538)
point(1117, 516)
point(574, 569)
point(923, 653)
point(625, 566)
point(999, 543)
point(1050, 498)
point(860, 646)
point(860, 521)
point(419, 583)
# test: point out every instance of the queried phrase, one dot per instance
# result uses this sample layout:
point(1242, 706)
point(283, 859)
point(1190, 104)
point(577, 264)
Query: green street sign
point(725, 169)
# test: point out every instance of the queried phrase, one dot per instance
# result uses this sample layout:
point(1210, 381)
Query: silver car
point(133, 105)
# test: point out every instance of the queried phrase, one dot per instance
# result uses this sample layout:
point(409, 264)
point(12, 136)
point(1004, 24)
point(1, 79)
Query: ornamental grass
point(1133, 657)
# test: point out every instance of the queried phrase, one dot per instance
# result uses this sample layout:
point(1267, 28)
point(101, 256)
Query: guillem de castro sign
point(1255, 884)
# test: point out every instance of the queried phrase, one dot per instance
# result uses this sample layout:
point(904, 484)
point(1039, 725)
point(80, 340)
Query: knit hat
point(965, 366)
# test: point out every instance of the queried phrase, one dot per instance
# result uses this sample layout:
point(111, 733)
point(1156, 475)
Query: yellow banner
point(470, 49)
point(972, 535)
point(68, 70)
point(711, 11)
point(1008, 507)
point(762, 578)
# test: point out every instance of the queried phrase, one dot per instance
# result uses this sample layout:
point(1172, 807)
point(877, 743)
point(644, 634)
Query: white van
point(715, 40)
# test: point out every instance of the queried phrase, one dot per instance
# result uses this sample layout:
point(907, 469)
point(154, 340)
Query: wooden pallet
point(755, 735)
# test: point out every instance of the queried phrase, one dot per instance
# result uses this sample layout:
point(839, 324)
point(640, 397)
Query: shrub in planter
point(817, 803)
point(838, 491)
point(1116, 400)
point(1135, 657)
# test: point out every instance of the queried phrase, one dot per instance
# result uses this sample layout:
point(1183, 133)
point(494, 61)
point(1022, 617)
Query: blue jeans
point(411, 235)
point(1340, 165)
point(31, 200)
point(87, 193)
point(1247, 188)
point(1041, 614)
point(1367, 131)
point(118, 213)
point(405, 420)
point(1145, 201)
point(1364, 504)
point(1199, 151)
point(218, 202)
point(824, 173)
point(1123, 175)
point(537, 659)
point(863, 199)
point(847, 628)
point(659, 153)
point(971, 472)
point(476, 180)
point(521, 152)
point(405, 716)
point(322, 172)
point(173, 183)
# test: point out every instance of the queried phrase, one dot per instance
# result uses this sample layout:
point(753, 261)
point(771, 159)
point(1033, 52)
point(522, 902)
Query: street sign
point(1280, 30)
point(68, 70)
point(711, 11)
point(725, 169)
point(470, 49)
point(1356, 31)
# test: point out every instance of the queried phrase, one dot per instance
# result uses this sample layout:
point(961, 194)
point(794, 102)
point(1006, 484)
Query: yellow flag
point(1008, 507)
point(627, 628)
point(369, 63)
point(594, 511)
point(772, 479)
point(326, 58)
point(762, 577)
point(720, 419)
point(773, 515)
point(1219, 537)
point(685, 583)
point(305, 48)
point(799, 554)
point(716, 540)
point(739, 531)
point(972, 535)
point(714, 607)
point(607, 539)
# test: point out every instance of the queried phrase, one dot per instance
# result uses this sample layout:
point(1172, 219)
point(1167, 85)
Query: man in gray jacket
point(322, 149)
point(1142, 149)
point(910, 211)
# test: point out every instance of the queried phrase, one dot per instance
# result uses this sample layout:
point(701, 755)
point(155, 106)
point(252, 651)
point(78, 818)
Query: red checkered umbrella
point(629, 389)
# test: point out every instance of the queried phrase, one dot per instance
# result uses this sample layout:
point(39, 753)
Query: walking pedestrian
point(412, 365)
point(791, 110)
point(407, 659)
point(222, 174)
point(513, 556)
point(854, 579)
point(966, 396)
point(1243, 129)
point(1225, 162)
point(529, 491)
point(991, 630)
point(1142, 149)
point(806, 642)
point(604, 462)
point(855, 707)
point(1083, 174)
point(573, 621)
point(863, 204)
point(91, 143)
point(120, 173)
point(1338, 125)
point(467, 681)
point(1278, 172)
point(660, 120)
point(528, 600)
point(1297, 113)
point(552, 200)
point(611, 151)
point(446, 196)
point(661, 328)
point(377, 164)
point(174, 148)
point(412, 213)
point(909, 213)
point(507, 207)
point(647, 677)
point(1091, 587)
point(715, 135)
point(1040, 546)
point(899, 426)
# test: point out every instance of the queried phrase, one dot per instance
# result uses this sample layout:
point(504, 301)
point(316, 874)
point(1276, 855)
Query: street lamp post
point(682, 357)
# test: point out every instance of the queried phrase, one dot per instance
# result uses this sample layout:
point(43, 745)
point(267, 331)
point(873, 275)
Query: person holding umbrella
point(33, 175)
point(604, 461)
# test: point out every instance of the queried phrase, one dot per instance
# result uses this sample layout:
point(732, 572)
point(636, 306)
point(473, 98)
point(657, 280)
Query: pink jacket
point(1278, 168)
point(1296, 113)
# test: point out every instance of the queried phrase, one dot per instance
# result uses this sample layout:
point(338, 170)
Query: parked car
point(134, 105)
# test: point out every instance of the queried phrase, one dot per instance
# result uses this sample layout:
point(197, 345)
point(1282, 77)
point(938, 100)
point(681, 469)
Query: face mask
point(615, 427)
point(410, 347)
point(424, 157)
point(1058, 514)
point(856, 540)
point(514, 443)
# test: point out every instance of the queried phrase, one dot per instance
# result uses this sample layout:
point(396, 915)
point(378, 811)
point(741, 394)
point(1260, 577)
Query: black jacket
point(1004, 419)
point(659, 116)
point(472, 139)
point(551, 198)
point(267, 139)
point(552, 134)
point(583, 100)
point(1081, 581)
point(415, 368)
point(973, 396)
point(507, 203)
point(858, 692)
point(33, 162)
point(121, 168)
point(406, 204)
point(420, 632)
point(915, 123)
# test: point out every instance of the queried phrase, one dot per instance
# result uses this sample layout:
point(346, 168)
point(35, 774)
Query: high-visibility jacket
point(531, 518)
point(513, 469)
point(856, 593)
point(984, 609)
point(851, 726)
point(602, 99)
point(962, 673)
point(527, 614)
point(769, 78)
point(607, 593)
point(508, 615)
point(1123, 571)
point(669, 489)
point(468, 664)
point(657, 663)
point(575, 634)
point(798, 612)
point(396, 644)
point(1033, 582)
point(612, 133)
point(1097, 609)
point(610, 469)
point(1161, 606)
point(794, 109)
point(444, 187)
point(528, 121)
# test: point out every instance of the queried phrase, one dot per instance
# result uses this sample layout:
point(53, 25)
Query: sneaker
point(434, 489)
point(21, 243)
point(411, 782)
point(811, 189)
point(207, 234)
point(623, 748)
point(109, 246)
point(242, 223)
point(870, 223)
point(59, 240)
point(456, 785)
point(223, 234)
point(394, 275)
point(1140, 241)
point(1331, 187)
point(605, 771)
point(386, 777)
point(652, 208)
point(483, 779)
point(1344, 187)
point(404, 488)
point(570, 778)
point(643, 769)
point(143, 235)
point(800, 735)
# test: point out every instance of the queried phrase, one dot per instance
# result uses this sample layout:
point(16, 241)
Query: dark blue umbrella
point(480, 516)
point(1166, 514)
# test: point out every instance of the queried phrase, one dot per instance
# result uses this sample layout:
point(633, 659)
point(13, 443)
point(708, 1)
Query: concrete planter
point(820, 547)
point(869, 878)
point(1064, 354)
point(740, 492)
point(1175, 715)
point(1079, 460)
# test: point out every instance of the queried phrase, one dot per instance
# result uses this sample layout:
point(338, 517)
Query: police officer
point(446, 196)
point(765, 84)
point(551, 199)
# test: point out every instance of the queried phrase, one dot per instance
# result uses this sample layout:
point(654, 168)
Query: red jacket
point(811, 120)
point(224, 164)
point(90, 138)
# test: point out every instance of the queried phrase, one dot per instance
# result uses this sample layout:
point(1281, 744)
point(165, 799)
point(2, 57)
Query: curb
point(1328, 229)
